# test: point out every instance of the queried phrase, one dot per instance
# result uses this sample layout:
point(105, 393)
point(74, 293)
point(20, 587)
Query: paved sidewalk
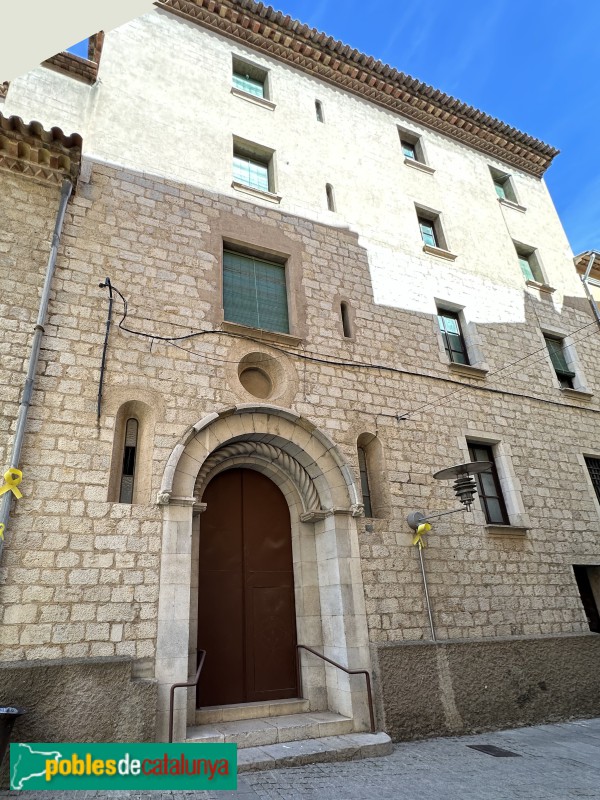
point(553, 762)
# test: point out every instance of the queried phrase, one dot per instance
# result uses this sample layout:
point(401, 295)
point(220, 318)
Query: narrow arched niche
point(372, 460)
point(144, 415)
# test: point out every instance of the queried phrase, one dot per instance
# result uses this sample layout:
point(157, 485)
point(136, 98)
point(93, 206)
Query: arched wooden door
point(246, 611)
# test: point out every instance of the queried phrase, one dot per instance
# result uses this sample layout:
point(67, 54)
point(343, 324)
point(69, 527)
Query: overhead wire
point(333, 361)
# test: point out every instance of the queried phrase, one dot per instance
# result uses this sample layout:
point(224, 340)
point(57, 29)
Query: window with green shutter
point(454, 341)
point(254, 292)
point(559, 362)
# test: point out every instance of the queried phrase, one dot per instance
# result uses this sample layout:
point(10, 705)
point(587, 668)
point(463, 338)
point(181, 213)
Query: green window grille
point(249, 85)
point(251, 173)
point(129, 454)
point(409, 150)
point(454, 342)
point(488, 486)
point(559, 362)
point(500, 190)
point(364, 481)
point(428, 232)
point(254, 292)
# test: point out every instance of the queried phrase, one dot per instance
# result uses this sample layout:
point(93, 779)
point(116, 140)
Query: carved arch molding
point(267, 453)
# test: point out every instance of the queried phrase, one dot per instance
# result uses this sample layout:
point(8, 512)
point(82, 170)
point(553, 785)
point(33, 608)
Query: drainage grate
point(492, 750)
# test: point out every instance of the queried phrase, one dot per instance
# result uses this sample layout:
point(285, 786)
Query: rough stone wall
point(81, 574)
point(462, 687)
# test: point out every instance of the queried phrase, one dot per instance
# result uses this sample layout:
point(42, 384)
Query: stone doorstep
point(238, 711)
point(273, 730)
point(347, 747)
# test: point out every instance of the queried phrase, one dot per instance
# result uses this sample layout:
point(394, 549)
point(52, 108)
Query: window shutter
point(254, 293)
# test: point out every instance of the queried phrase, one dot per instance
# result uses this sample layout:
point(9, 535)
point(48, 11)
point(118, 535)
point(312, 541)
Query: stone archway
point(323, 501)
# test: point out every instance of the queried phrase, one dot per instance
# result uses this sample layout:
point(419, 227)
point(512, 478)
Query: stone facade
point(85, 576)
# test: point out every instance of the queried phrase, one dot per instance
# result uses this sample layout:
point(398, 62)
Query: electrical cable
point(315, 358)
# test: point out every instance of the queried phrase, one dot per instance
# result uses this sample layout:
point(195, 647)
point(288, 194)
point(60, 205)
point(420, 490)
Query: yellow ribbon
point(12, 478)
point(417, 538)
point(2, 531)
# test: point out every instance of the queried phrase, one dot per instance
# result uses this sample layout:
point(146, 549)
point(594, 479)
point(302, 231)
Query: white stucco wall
point(163, 105)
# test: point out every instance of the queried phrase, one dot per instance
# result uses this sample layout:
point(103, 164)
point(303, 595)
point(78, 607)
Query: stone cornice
point(28, 149)
point(281, 37)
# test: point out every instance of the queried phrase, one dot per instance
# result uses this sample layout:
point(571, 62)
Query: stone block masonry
point(81, 574)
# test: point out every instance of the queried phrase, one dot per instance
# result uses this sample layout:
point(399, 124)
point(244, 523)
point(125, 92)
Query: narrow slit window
point(129, 458)
point(330, 197)
point(364, 481)
point(319, 111)
point(346, 320)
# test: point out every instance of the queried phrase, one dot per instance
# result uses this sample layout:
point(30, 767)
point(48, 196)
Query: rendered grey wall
point(442, 689)
point(91, 700)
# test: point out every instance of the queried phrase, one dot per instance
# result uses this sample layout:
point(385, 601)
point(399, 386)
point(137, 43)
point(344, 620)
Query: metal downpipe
point(6, 498)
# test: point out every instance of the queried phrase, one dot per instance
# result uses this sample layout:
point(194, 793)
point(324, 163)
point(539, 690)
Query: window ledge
point(269, 196)
point(468, 370)
point(511, 204)
point(263, 335)
point(411, 162)
point(541, 287)
point(576, 394)
point(439, 252)
point(252, 98)
point(515, 531)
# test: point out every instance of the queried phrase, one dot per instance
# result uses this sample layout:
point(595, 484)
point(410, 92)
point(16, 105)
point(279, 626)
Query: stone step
point(347, 747)
point(238, 711)
point(273, 730)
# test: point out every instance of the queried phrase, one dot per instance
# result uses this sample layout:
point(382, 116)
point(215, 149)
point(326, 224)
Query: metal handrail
point(344, 669)
point(183, 686)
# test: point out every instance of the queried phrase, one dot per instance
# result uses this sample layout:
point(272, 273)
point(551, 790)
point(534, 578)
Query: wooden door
point(246, 613)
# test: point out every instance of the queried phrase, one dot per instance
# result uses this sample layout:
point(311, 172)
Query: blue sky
point(534, 64)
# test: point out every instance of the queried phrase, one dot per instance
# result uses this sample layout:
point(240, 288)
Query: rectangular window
point(249, 85)
point(503, 185)
point(488, 486)
point(556, 349)
point(593, 465)
point(254, 292)
point(411, 146)
point(408, 150)
point(529, 263)
point(249, 78)
point(454, 341)
point(428, 233)
point(251, 172)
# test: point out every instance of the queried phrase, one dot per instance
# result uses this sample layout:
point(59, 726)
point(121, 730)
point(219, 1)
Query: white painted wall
point(163, 105)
